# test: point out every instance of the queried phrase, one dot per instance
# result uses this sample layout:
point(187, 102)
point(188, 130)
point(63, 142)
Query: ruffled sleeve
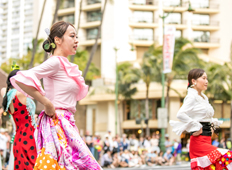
point(32, 77)
point(186, 123)
point(72, 70)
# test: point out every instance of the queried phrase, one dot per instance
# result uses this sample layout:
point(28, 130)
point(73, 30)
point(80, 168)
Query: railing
point(141, 20)
point(141, 37)
point(206, 39)
point(143, 2)
point(173, 4)
point(205, 6)
point(92, 19)
point(205, 23)
point(90, 2)
point(176, 22)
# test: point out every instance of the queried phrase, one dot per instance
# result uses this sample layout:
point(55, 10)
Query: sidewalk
point(184, 165)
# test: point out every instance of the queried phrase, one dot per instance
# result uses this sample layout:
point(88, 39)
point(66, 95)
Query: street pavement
point(174, 167)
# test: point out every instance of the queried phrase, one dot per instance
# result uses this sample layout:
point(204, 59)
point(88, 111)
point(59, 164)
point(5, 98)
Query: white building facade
point(19, 20)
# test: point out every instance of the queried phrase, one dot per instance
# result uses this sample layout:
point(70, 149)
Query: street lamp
point(190, 9)
point(116, 92)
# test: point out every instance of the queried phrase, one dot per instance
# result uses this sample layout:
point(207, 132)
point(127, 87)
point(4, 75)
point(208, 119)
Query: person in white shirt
point(196, 117)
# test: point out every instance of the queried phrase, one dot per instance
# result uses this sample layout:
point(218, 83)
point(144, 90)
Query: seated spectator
point(106, 144)
point(107, 160)
point(136, 160)
point(151, 158)
point(115, 160)
point(127, 156)
point(168, 157)
point(122, 160)
point(143, 157)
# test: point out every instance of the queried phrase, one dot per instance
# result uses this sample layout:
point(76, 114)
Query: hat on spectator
point(2, 130)
point(166, 135)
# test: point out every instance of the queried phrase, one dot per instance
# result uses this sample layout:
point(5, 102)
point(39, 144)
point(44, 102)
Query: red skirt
point(204, 156)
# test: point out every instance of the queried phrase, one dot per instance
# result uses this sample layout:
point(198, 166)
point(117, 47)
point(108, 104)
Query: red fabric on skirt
point(200, 146)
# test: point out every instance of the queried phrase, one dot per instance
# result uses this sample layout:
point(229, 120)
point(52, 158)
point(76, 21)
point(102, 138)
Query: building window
point(201, 36)
point(143, 2)
point(94, 16)
point(172, 3)
point(200, 3)
point(173, 18)
point(89, 2)
point(143, 16)
point(136, 109)
point(199, 19)
point(92, 33)
point(67, 18)
point(178, 34)
point(143, 34)
point(67, 4)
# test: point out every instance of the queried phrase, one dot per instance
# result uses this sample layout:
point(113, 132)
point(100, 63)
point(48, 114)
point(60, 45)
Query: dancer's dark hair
point(9, 86)
point(194, 74)
point(57, 30)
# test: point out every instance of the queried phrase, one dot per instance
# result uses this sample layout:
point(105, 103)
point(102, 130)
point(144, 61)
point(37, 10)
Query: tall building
point(132, 26)
point(18, 25)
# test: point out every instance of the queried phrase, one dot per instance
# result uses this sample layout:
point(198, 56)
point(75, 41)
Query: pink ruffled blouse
point(63, 83)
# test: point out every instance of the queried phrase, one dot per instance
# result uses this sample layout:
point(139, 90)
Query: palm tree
point(127, 75)
point(220, 86)
point(78, 25)
point(150, 72)
point(36, 37)
point(185, 58)
point(58, 2)
point(94, 48)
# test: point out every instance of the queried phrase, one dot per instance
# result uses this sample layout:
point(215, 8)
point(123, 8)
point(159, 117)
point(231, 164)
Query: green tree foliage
point(81, 59)
point(24, 62)
point(127, 75)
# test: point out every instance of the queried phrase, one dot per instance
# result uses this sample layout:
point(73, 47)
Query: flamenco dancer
point(22, 109)
point(196, 117)
point(59, 145)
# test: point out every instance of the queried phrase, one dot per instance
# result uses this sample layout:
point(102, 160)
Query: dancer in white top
point(196, 117)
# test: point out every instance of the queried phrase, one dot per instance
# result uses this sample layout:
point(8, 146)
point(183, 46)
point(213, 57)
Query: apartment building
point(132, 26)
point(18, 25)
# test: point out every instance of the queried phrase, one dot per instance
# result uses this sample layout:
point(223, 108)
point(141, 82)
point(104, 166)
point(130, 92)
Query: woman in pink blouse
point(59, 145)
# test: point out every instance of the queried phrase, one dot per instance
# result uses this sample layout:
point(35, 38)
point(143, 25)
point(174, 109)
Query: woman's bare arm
point(48, 106)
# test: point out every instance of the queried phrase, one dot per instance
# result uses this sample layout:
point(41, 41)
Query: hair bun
point(47, 50)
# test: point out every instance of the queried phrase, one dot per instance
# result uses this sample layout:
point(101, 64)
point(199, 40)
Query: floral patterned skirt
point(59, 145)
point(204, 156)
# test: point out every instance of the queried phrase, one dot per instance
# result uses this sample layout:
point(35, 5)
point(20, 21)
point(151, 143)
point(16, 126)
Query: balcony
point(145, 5)
point(90, 22)
point(91, 5)
point(142, 22)
point(201, 8)
point(178, 24)
point(205, 26)
point(206, 43)
point(141, 40)
point(169, 6)
point(66, 11)
point(88, 41)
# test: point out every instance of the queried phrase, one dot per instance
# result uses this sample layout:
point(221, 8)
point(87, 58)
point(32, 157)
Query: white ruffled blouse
point(195, 109)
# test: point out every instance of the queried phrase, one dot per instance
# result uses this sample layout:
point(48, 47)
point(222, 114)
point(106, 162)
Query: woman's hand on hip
point(49, 109)
point(197, 133)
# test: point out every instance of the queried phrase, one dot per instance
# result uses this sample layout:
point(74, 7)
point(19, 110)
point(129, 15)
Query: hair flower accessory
point(15, 66)
point(51, 44)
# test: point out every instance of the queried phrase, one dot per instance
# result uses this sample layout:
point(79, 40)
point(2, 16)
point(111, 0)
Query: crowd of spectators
point(129, 151)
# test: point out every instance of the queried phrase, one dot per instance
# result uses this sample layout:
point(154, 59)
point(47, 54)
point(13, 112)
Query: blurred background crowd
point(125, 150)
